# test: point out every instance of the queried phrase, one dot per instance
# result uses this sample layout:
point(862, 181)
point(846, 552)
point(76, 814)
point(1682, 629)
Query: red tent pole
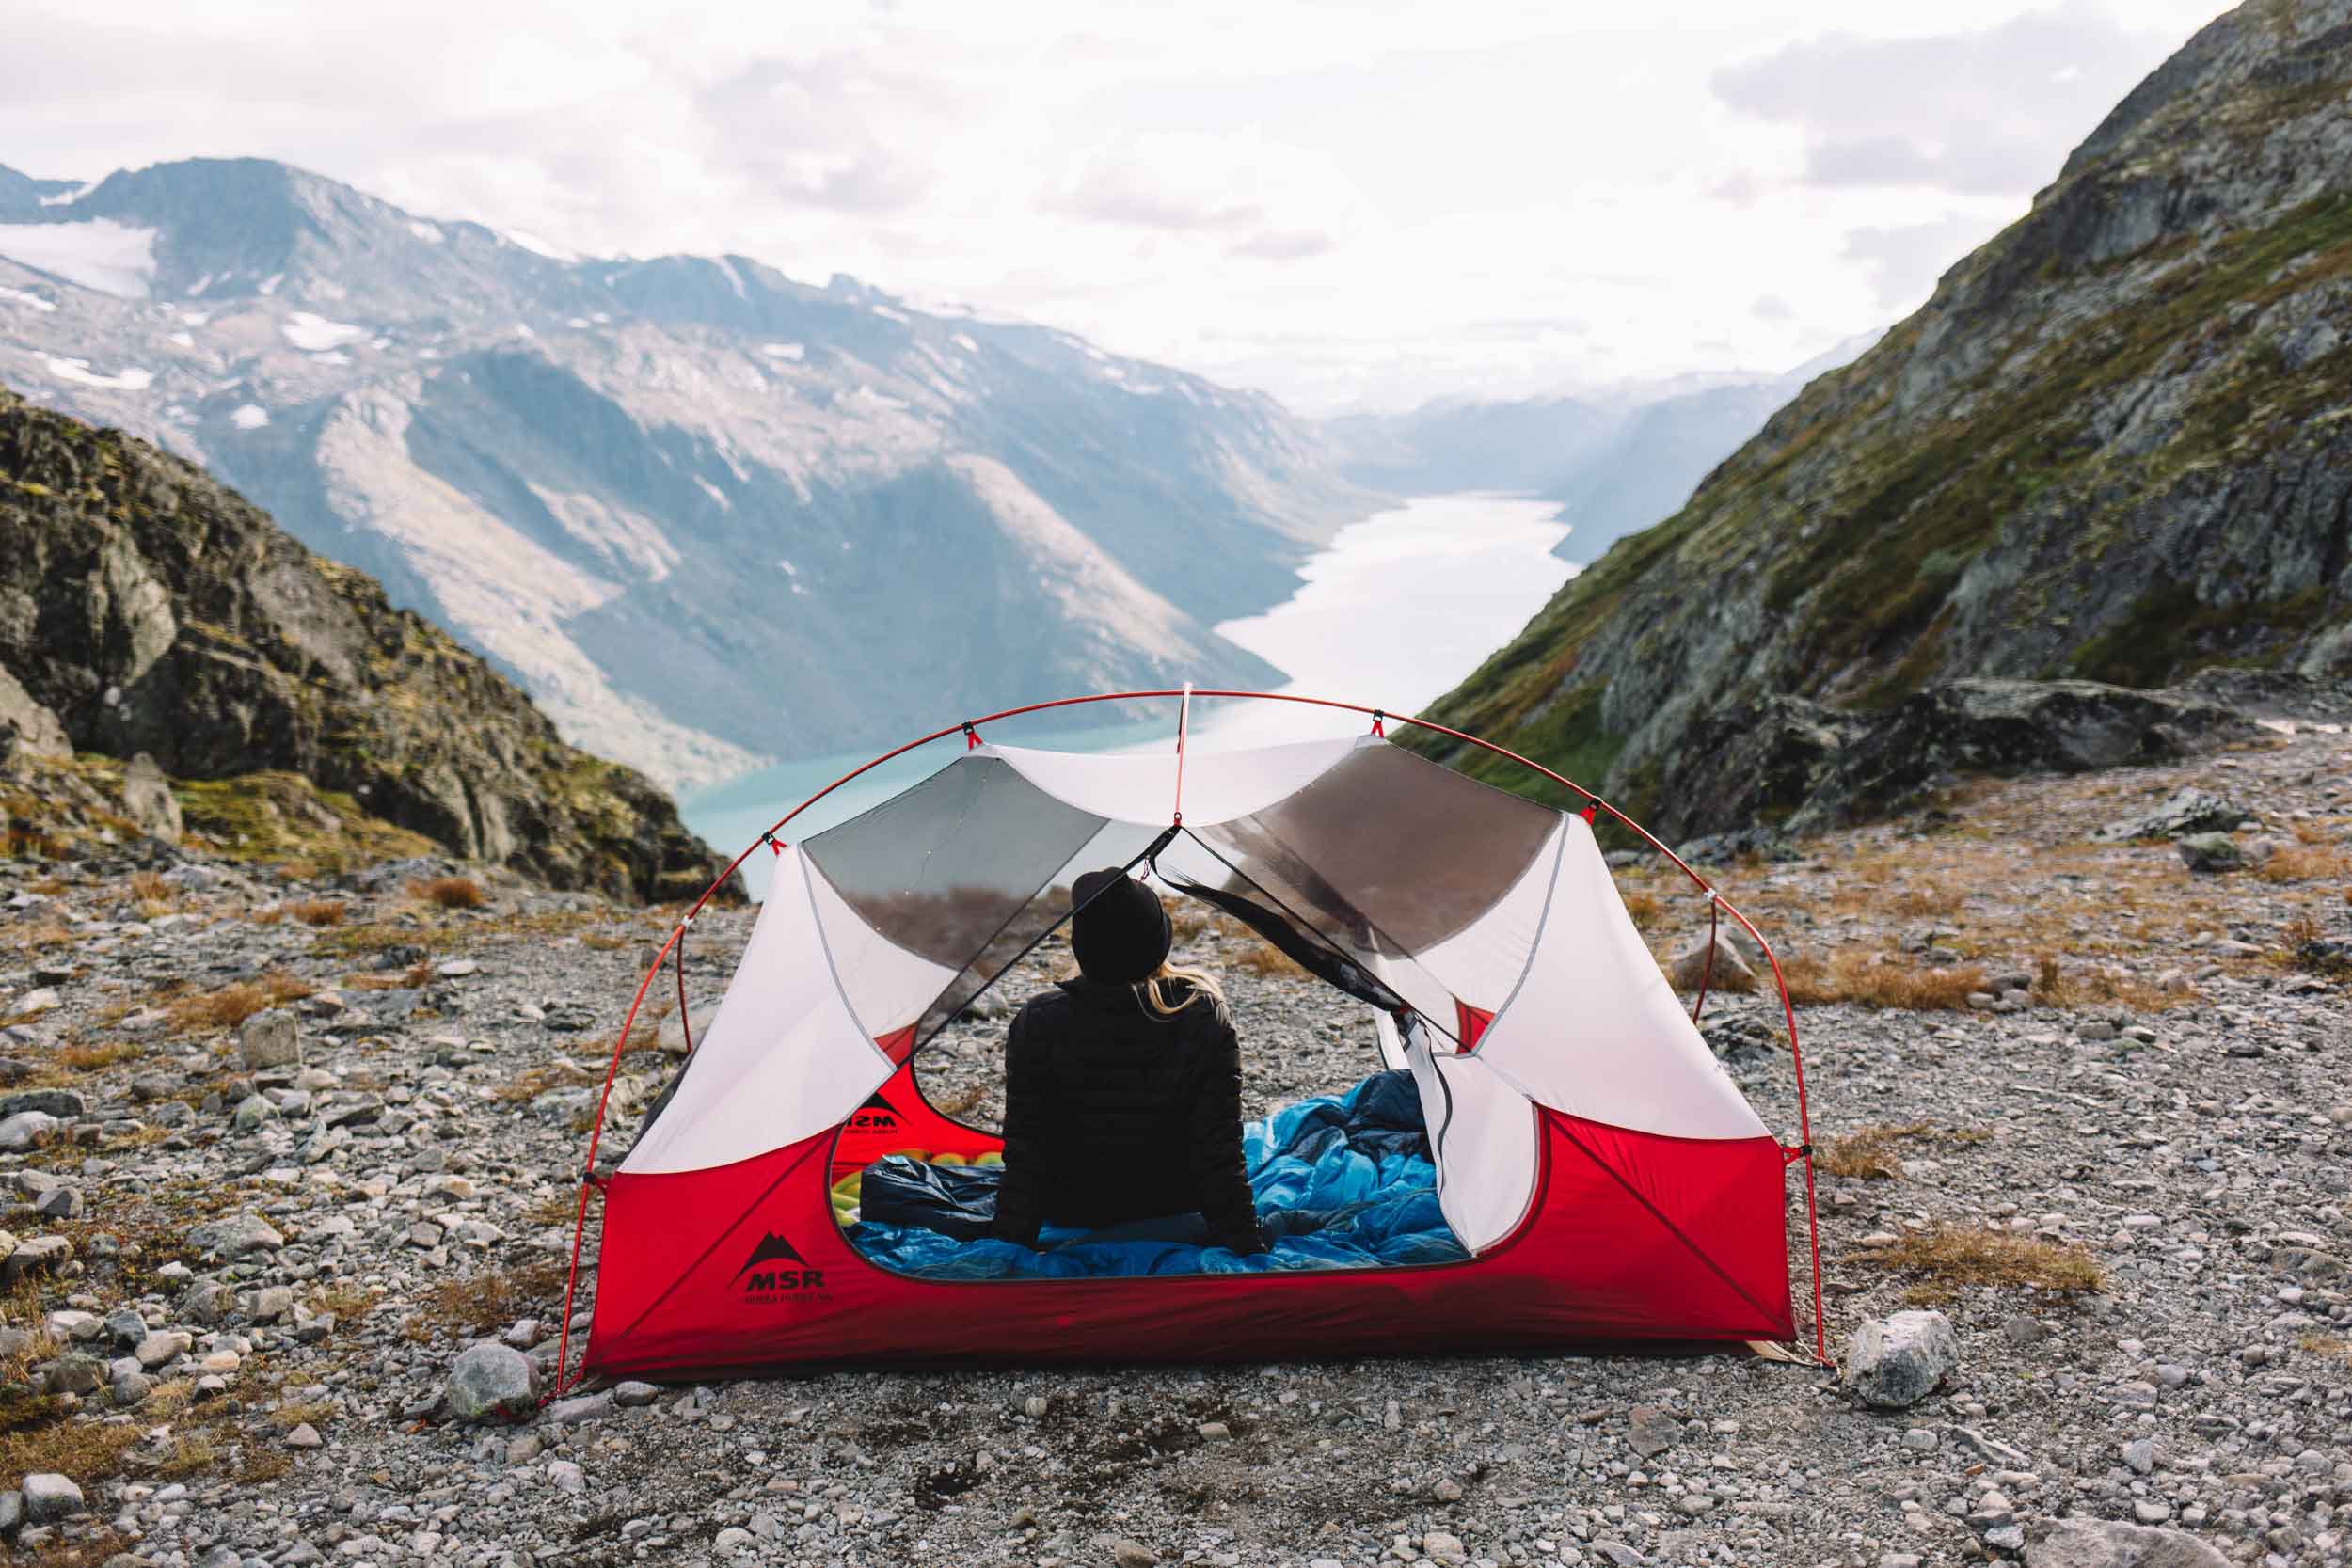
point(1184, 722)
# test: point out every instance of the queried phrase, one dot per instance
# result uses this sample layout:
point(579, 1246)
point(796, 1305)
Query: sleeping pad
point(1343, 1182)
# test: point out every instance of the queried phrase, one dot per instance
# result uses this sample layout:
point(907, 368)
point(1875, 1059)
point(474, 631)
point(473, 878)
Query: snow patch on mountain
point(95, 253)
point(316, 333)
point(129, 379)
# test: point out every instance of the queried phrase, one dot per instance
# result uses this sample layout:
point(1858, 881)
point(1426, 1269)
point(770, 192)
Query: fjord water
point(1395, 612)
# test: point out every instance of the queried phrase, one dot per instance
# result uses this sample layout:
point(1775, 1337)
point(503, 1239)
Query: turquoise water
point(1392, 614)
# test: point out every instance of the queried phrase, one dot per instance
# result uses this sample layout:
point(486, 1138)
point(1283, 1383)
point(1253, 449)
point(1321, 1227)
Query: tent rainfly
point(1606, 1177)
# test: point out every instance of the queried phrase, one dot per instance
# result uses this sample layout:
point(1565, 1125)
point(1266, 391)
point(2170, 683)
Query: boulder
point(2210, 853)
point(270, 1038)
point(2189, 811)
point(49, 1498)
point(2107, 1543)
point(673, 1028)
point(1896, 1362)
point(25, 1130)
point(148, 800)
point(491, 1380)
point(1731, 972)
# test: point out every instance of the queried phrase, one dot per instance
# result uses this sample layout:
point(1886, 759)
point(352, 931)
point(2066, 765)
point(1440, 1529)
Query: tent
point(1606, 1177)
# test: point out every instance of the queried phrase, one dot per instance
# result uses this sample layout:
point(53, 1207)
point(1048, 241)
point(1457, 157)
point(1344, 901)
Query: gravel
point(302, 1327)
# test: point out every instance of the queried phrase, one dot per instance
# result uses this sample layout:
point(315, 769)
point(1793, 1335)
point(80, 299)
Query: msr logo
point(875, 1115)
point(766, 1279)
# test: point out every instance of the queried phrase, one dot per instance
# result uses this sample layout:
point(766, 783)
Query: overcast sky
point(1345, 203)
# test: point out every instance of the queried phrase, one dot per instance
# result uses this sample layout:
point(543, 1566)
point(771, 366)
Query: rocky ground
point(2042, 1058)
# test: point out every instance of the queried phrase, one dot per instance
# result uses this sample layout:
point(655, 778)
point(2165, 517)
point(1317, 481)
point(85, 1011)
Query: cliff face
point(146, 608)
point(2114, 445)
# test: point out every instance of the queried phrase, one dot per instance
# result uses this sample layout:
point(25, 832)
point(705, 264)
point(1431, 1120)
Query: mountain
point(145, 609)
point(1616, 461)
point(705, 514)
point(2117, 444)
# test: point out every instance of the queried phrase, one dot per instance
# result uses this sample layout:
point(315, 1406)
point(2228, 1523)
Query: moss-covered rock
point(146, 608)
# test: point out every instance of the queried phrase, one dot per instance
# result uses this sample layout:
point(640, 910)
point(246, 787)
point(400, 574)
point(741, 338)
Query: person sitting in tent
point(1122, 1090)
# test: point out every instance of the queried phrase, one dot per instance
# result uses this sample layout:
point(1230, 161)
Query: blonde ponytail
point(1152, 990)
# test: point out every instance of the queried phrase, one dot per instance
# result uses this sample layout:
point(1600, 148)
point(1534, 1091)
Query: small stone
point(270, 1038)
point(490, 1379)
point(49, 1497)
point(1126, 1553)
point(566, 1476)
point(236, 1235)
point(733, 1539)
point(634, 1396)
point(148, 800)
point(60, 1203)
point(1652, 1430)
point(1445, 1549)
point(305, 1437)
point(158, 1349)
point(38, 1001)
point(1215, 1431)
point(2141, 1455)
point(581, 1409)
point(251, 1111)
point(1920, 1439)
point(129, 1388)
point(1447, 1489)
point(2024, 1332)
point(1897, 1362)
point(1035, 1405)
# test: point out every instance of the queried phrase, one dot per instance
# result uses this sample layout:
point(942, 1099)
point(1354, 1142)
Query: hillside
point(705, 514)
point(2114, 445)
point(144, 608)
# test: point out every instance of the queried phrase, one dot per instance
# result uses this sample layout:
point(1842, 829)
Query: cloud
point(1771, 307)
point(1277, 244)
point(1988, 112)
point(1905, 259)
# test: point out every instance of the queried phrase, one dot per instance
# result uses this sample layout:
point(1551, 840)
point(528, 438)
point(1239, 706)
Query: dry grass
point(1951, 1256)
point(1188, 920)
point(1869, 1152)
point(1924, 903)
point(449, 892)
point(1260, 957)
point(316, 1412)
point(85, 1452)
point(318, 912)
point(1875, 980)
point(2326, 1344)
point(232, 1005)
point(268, 915)
point(78, 1057)
point(605, 942)
point(36, 938)
point(348, 1302)
point(554, 1208)
point(2305, 863)
point(484, 1303)
point(148, 887)
point(2055, 985)
point(1647, 911)
point(415, 977)
point(188, 1456)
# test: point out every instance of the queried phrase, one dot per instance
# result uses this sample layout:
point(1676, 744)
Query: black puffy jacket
point(1113, 1114)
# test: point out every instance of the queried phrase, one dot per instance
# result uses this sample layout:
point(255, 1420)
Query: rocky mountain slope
point(705, 514)
point(145, 609)
point(2114, 445)
point(1616, 462)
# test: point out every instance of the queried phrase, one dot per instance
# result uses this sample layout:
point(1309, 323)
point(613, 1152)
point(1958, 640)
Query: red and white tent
point(1604, 1173)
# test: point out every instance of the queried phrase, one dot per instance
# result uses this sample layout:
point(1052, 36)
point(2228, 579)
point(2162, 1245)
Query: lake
point(1394, 613)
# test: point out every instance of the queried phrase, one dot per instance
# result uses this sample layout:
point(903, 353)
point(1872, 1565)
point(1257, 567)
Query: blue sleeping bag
point(1343, 1181)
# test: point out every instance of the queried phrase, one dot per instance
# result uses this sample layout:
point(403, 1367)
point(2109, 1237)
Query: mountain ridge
point(692, 504)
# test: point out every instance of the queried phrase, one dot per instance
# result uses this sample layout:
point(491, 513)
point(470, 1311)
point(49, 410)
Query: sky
point(1350, 205)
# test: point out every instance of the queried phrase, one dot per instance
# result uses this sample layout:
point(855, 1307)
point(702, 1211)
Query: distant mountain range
point(707, 515)
point(2115, 444)
point(1616, 461)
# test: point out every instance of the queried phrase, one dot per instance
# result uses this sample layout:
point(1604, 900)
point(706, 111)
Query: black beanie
point(1123, 936)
